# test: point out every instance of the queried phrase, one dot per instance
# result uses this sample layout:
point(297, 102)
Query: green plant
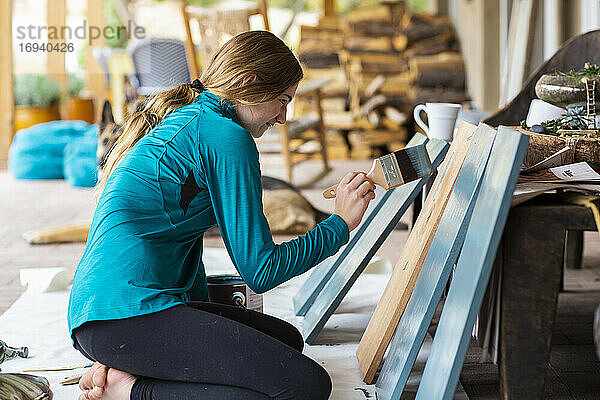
point(36, 90)
point(417, 5)
point(75, 85)
point(574, 119)
point(82, 58)
point(111, 18)
point(588, 71)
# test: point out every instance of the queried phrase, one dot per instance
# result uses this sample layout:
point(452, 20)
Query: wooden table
point(531, 254)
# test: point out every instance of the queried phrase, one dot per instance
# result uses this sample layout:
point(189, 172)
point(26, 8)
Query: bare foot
point(107, 384)
point(95, 376)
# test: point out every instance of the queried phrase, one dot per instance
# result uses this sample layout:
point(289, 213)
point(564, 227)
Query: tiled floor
point(574, 371)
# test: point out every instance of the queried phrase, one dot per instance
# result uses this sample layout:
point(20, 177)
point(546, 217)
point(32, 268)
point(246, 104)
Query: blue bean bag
point(79, 165)
point(38, 152)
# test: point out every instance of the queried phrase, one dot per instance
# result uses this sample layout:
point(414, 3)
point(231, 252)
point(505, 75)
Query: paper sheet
point(580, 171)
point(556, 159)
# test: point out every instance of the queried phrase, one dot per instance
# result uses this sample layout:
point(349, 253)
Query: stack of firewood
point(318, 52)
point(383, 61)
point(395, 60)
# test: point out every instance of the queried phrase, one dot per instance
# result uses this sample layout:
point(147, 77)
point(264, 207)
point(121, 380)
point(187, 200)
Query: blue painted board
point(474, 267)
point(442, 254)
point(314, 284)
point(367, 244)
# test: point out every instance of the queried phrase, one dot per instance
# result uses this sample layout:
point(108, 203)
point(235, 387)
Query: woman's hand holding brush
point(354, 193)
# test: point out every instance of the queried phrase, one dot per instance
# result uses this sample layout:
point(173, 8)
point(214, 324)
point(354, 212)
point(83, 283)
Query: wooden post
point(438, 7)
point(478, 23)
point(119, 65)
point(590, 20)
point(571, 16)
point(262, 10)
point(190, 50)
point(553, 27)
point(6, 80)
point(95, 79)
point(55, 60)
point(329, 8)
point(521, 34)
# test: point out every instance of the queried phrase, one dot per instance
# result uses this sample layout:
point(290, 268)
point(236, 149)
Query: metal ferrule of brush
point(391, 170)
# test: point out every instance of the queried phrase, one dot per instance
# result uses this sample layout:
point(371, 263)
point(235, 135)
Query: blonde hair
point(258, 53)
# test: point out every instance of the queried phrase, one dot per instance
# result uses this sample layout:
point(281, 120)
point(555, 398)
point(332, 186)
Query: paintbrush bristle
point(419, 159)
point(406, 165)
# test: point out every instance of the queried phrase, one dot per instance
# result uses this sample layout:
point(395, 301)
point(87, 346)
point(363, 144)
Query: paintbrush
point(395, 169)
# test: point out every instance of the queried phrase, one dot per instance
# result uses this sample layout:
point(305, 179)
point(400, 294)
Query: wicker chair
point(218, 25)
point(215, 26)
point(159, 64)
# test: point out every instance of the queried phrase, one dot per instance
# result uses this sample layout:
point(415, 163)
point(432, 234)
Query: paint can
point(232, 290)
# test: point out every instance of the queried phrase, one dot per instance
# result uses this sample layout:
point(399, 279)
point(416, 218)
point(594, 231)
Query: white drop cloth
point(38, 320)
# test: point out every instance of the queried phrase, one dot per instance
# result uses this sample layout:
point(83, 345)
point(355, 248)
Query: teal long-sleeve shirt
point(198, 168)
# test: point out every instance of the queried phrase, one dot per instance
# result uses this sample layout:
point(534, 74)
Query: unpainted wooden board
point(440, 259)
point(314, 284)
point(352, 265)
point(474, 267)
point(397, 292)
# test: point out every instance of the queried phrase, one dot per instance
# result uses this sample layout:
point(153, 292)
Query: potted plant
point(36, 100)
point(76, 106)
point(567, 88)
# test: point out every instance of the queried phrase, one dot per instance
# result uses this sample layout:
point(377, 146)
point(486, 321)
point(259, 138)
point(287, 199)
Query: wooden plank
point(337, 281)
point(314, 284)
point(6, 79)
point(55, 60)
point(474, 267)
point(436, 269)
point(395, 296)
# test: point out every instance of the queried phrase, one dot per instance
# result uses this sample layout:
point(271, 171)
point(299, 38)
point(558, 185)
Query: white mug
point(441, 117)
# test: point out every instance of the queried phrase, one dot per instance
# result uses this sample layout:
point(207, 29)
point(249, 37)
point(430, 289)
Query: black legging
point(206, 351)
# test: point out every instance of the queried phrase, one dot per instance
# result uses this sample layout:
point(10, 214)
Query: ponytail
point(143, 121)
